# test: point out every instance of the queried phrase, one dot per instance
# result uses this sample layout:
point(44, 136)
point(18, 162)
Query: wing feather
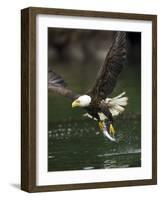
point(111, 68)
point(58, 85)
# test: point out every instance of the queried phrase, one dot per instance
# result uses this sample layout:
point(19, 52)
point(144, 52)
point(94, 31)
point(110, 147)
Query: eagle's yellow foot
point(111, 130)
point(101, 125)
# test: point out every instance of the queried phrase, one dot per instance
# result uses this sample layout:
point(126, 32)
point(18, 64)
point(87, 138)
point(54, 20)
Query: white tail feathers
point(116, 104)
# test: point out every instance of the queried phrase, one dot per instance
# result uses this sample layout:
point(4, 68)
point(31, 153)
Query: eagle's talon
point(101, 126)
point(111, 130)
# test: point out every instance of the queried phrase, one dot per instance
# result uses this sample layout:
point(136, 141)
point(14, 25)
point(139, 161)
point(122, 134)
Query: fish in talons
point(108, 132)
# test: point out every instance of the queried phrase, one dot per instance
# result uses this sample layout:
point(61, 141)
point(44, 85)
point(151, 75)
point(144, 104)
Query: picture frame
point(29, 96)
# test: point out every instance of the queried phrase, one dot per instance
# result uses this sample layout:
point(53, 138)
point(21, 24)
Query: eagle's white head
point(82, 101)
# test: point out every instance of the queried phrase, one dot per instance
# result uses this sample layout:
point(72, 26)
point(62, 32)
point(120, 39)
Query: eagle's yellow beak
point(75, 103)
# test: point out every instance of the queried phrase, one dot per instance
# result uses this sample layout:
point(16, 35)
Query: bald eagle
point(96, 101)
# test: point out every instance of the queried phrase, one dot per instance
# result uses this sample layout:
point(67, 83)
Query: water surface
point(79, 145)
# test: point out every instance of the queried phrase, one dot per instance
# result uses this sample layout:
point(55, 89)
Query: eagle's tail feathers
point(116, 104)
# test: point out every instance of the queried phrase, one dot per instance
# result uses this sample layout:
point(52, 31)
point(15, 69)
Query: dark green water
point(75, 143)
point(78, 145)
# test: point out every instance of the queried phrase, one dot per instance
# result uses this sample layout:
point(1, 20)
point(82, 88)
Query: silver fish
point(106, 134)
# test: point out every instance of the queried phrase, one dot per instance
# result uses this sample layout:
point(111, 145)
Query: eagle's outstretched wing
point(111, 68)
point(57, 85)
